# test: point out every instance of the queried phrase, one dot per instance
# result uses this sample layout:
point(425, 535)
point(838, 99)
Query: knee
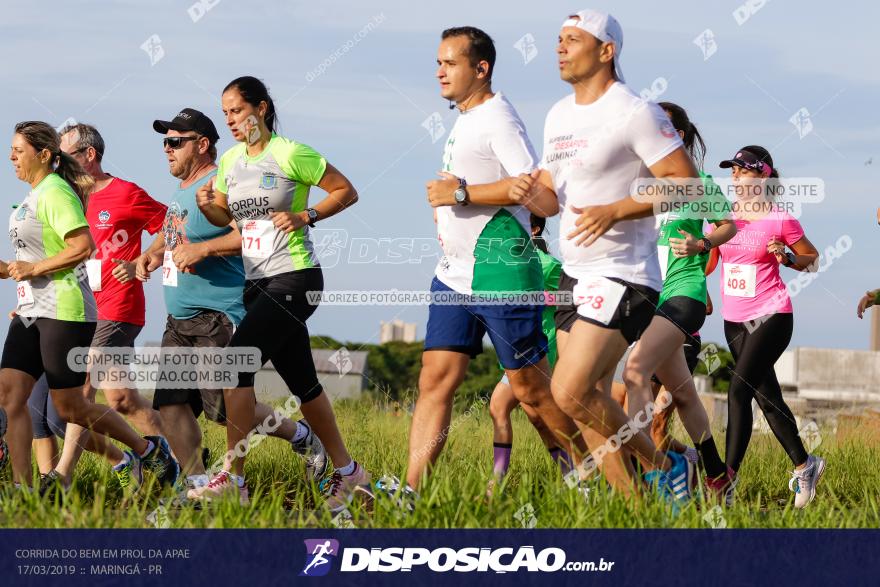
point(12, 400)
point(437, 384)
point(126, 404)
point(566, 397)
point(71, 409)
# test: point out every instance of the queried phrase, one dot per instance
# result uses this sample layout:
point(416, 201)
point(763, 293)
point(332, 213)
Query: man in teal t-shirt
point(203, 278)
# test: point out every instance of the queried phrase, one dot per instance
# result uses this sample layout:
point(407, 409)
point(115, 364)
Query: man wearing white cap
point(597, 142)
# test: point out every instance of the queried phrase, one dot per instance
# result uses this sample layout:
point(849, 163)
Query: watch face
point(313, 214)
point(460, 195)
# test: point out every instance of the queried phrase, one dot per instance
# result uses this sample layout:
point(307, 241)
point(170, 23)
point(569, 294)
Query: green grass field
point(455, 496)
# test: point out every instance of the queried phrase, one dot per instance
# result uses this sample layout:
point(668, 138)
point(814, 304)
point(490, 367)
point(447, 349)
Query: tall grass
point(455, 495)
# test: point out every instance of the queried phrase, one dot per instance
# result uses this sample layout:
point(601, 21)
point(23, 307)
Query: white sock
point(150, 448)
point(302, 431)
point(198, 480)
point(125, 459)
point(238, 480)
point(347, 469)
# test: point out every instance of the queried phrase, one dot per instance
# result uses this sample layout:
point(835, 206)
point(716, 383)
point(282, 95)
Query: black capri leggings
point(275, 322)
point(753, 376)
point(44, 417)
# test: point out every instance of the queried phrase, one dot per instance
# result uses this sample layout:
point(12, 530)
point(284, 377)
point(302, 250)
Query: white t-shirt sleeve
point(650, 134)
point(511, 145)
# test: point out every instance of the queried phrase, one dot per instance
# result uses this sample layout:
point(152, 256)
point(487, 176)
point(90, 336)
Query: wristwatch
point(707, 244)
point(789, 259)
point(461, 195)
point(313, 216)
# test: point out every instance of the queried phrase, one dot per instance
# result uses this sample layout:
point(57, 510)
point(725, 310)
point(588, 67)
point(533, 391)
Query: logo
point(526, 47)
point(104, 216)
point(434, 125)
point(250, 225)
point(21, 213)
point(153, 47)
point(319, 554)
point(707, 44)
point(802, 122)
point(268, 181)
point(667, 130)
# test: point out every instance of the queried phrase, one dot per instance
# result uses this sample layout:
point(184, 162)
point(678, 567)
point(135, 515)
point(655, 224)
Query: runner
point(597, 142)
point(203, 279)
point(487, 250)
point(118, 212)
point(56, 310)
point(263, 185)
point(683, 252)
point(871, 298)
point(47, 425)
point(503, 401)
point(758, 315)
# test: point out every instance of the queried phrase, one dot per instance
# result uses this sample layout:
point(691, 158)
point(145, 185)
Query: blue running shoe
point(160, 462)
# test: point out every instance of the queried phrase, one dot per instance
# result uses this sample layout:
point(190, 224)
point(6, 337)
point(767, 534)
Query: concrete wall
point(270, 386)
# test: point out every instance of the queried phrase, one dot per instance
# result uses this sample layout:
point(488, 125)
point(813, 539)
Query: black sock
point(710, 459)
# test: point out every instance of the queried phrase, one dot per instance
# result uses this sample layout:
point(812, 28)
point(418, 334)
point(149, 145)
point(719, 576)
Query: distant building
point(342, 373)
point(397, 330)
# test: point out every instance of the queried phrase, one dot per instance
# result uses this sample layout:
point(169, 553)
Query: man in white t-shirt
point(597, 142)
point(487, 252)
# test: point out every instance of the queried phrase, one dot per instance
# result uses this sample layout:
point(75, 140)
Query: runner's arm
point(228, 245)
point(594, 221)
point(213, 204)
point(806, 257)
point(340, 195)
point(150, 259)
point(79, 247)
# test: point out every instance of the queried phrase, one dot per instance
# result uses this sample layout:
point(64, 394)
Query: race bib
point(597, 298)
point(169, 270)
point(93, 269)
point(663, 258)
point(739, 280)
point(25, 293)
point(257, 237)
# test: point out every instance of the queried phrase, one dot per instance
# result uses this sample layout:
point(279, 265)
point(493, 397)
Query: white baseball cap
point(604, 27)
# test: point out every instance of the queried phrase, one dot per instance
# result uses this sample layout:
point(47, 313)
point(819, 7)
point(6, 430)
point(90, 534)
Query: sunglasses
point(177, 142)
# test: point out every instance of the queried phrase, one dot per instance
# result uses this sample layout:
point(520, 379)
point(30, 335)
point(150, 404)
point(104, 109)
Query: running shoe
point(220, 487)
point(4, 454)
point(804, 481)
point(313, 452)
point(692, 455)
point(402, 495)
point(720, 489)
point(51, 485)
point(674, 485)
point(340, 489)
point(160, 462)
point(130, 474)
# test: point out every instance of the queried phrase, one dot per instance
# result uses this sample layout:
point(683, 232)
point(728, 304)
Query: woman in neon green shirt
point(263, 185)
point(56, 310)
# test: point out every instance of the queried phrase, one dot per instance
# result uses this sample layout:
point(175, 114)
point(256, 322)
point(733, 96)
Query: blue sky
point(365, 111)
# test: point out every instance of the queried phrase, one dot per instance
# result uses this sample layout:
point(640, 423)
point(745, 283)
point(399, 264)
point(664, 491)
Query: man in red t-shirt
point(118, 213)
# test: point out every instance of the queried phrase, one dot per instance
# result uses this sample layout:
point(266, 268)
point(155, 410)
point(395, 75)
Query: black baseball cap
point(189, 119)
point(751, 157)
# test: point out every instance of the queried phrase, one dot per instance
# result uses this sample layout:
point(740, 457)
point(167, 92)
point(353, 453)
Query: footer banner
point(438, 557)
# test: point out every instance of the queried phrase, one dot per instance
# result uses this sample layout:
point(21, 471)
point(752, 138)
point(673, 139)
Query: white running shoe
point(804, 481)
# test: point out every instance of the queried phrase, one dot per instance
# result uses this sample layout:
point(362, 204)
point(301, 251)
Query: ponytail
point(692, 139)
point(72, 172)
